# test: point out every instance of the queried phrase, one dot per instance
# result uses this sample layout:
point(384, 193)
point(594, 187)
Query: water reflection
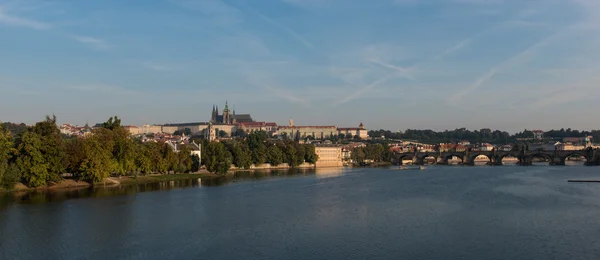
point(42, 196)
point(329, 172)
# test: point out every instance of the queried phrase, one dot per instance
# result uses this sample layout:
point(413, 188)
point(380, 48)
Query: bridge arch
point(421, 159)
point(529, 159)
point(404, 156)
point(503, 158)
point(576, 154)
point(446, 158)
point(479, 157)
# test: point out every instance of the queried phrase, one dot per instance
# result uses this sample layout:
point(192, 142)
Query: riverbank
point(135, 180)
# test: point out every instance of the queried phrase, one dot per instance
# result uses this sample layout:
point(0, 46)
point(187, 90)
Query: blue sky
point(392, 64)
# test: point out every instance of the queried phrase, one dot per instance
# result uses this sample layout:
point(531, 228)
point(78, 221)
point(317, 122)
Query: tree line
point(371, 152)
point(39, 154)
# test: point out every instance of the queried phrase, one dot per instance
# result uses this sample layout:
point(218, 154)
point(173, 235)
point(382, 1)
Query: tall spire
point(226, 107)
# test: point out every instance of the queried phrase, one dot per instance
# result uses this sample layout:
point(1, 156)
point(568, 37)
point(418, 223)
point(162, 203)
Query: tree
point(290, 154)
point(240, 133)
point(222, 134)
point(299, 157)
point(5, 152)
point(112, 123)
point(195, 163)
point(30, 160)
point(310, 156)
point(52, 147)
point(75, 156)
point(170, 158)
point(256, 143)
point(143, 159)
point(97, 163)
point(218, 159)
point(358, 155)
point(242, 157)
point(374, 152)
point(184, 159)
point(275, 156)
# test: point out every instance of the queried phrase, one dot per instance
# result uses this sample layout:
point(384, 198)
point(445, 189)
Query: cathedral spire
point(226, 107)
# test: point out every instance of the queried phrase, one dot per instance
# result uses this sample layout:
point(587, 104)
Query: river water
point(445, 212)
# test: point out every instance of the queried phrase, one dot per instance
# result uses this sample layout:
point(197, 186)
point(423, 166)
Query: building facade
point(359, 131)
point(250, 127)
point(293, 131)
point(329, 156)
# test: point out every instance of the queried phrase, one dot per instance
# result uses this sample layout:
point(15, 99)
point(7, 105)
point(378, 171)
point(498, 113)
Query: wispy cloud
point(511, 61)
point(362, 91)
point(286, 94)
point(94, 43)
point(402, 72)
point(12, 20)
point(287, 30)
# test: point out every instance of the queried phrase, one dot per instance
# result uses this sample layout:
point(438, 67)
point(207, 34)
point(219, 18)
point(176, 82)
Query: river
point(442, 212)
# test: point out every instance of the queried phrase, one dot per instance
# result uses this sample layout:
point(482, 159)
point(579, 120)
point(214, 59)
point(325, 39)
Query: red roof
point(258, 124)
point(314, 126)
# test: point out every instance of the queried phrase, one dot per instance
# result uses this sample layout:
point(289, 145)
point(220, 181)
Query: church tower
point(213, 116)
point(226, 115)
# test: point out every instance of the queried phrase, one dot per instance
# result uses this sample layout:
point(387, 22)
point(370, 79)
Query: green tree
point(374, 152)
point(299, 158)
point(170, 158)
point(358, 155)
point(257, 146)
point(218, 159)
point(75, 155)
point(290, 154)
point(6, 145)
point(112, 123)
point(97, 163)
point(12, 175)
point(52, 147)
point(30, 160)
point(222, 134)
point(143, 159)
point(195, 163)
point(154, 151)
point(185, 161)
point(310, 156)
point(275, 156)
point(242, 157)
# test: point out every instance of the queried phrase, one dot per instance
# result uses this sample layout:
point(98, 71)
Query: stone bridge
point(495, 157)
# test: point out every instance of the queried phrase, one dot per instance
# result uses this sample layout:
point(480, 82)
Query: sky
point(391, 64)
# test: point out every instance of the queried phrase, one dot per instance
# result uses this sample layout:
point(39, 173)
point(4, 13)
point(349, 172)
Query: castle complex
point(231, 123)
point(228, 117)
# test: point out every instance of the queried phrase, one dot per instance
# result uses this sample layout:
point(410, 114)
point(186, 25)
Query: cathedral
point(228, 117)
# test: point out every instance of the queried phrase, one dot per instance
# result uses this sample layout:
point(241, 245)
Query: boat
point(421, 167)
